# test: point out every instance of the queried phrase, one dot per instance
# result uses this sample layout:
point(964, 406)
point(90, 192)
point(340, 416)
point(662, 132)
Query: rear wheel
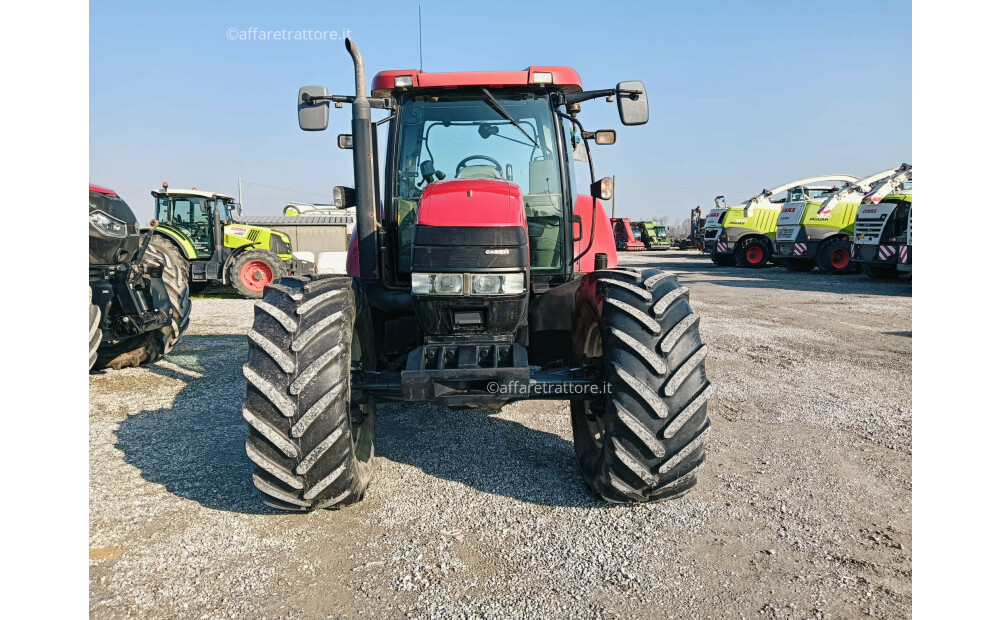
point(754, 253)
point(834, 257)
point(723, 260)
point(167, 248)
point(881, 272)
point(95, 329)
point(253, 270)
point(644, 439)
point(799, 264)
point(175, 278)
point(311, 448)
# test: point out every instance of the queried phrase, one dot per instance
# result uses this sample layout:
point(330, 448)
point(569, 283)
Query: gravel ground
point(803, 509)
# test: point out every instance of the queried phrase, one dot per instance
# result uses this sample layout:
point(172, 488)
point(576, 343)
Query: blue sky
point(742, 95)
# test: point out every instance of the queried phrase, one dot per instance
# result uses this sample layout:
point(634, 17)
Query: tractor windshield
point(189, 215)
point(661, 232)
point(462, 135)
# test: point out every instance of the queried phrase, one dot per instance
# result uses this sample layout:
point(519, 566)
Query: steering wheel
point(462, 164)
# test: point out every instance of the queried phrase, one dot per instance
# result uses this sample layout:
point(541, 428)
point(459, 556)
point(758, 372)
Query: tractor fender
point(177, 240)
point(232, 256)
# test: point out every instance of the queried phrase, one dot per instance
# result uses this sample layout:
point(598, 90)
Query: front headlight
point(454, 284)
point(499, 284)
point(107, 225)
point(437, 283)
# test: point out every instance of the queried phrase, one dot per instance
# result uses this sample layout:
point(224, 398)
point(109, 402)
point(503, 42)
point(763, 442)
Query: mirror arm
point(379, 103)
point(587, 95)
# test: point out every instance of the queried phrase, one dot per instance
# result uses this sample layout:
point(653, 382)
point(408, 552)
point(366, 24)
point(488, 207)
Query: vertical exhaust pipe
point(364, 170)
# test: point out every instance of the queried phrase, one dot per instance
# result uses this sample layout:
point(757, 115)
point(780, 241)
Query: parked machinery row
point(839, 224)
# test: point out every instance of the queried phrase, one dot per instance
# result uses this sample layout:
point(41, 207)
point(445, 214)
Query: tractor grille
point(252, 237)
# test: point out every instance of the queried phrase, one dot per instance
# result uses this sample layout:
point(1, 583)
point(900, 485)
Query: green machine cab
point(199, 230)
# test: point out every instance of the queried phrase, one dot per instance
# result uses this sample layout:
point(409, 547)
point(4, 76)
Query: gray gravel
point(802, 511)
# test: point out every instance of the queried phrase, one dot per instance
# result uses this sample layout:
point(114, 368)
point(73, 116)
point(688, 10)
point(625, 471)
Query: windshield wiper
point(490, 99)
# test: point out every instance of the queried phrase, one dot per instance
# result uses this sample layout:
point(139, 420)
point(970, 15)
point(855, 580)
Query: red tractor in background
point(625, 238)
point(477, 276)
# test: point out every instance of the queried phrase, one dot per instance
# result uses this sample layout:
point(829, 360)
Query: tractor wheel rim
point(256, 274)
point(755, 255)
point(840, 258)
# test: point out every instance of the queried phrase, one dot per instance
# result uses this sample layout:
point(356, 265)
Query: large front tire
point(253, 270)
point(754, 253)
point(309, 446)
point(175, 279)
point(644, 440)
point(834, 257)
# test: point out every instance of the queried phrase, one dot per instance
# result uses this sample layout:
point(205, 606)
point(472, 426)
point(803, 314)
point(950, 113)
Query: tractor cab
point(506, 141)
point(191, 214)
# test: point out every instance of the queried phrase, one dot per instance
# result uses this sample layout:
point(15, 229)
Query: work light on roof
point(403, 81)
point(542, 77)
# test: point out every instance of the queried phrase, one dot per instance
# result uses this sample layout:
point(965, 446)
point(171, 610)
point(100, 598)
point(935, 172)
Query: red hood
point(472, 202)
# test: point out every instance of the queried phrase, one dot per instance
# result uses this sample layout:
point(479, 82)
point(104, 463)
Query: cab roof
point(102, 190)
point(189, 192)
point(563, 78)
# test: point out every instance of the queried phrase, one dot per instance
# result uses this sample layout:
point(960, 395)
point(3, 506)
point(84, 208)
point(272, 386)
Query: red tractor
point(625, 238)
point(476, 277)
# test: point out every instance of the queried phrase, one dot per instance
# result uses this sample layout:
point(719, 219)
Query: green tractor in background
point(198, 230)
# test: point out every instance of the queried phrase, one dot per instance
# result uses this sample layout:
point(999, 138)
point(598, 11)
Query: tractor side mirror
point(343, 197)
point(313, 115)
point(632, 106)
point(602, 189)
point(345, 141)
point(605, 136)
point(577, 228)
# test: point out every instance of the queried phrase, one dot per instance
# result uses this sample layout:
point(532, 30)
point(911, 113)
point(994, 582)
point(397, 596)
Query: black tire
point(272, 270)
point(881, 272)
point(310, 448)
point(175, 278)
point(799, 264)
point(166, 247)
point(833, 257)
point(644, 440)
point(753, 253)
point(723, 260)
point(95, 329)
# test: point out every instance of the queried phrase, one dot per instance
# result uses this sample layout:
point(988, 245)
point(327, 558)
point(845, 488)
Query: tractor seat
point(479, 172)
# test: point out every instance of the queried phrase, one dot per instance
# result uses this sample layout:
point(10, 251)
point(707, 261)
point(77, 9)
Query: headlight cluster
point(467, 283)
point(108, 225)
